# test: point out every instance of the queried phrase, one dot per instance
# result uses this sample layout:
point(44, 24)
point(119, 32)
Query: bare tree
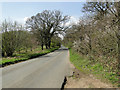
point(46, 24)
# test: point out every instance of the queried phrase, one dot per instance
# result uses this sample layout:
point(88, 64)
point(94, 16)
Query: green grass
point(23, 56)
point(96, 68)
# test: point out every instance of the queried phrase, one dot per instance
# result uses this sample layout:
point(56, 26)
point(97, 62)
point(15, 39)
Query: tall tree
point(46, 24)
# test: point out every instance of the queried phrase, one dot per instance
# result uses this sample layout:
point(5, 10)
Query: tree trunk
point(49, 44)
point(42, 46)
point(90, 49)
point(9, 54)
point(46, 46)
point(3, 54)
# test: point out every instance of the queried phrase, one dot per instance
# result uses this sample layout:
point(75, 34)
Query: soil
point(82, 80)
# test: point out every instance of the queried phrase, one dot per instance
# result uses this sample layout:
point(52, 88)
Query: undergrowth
point(85, 65)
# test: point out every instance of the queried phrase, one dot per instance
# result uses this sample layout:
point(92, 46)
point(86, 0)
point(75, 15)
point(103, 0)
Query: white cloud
point(20, 20)
point(25, 19)
point(73, 20)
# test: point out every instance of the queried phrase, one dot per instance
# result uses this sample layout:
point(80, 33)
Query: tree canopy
point(46, 24)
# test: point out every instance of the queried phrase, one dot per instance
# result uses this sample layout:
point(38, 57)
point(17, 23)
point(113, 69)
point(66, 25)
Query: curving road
point(46, 71)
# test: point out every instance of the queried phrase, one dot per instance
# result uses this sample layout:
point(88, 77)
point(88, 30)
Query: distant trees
point(14, 38)
point(56, 41)
point(45, 24)
point(9, 37)
point(42, 29)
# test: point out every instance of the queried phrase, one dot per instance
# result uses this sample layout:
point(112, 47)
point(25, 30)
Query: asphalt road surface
point(46, 71)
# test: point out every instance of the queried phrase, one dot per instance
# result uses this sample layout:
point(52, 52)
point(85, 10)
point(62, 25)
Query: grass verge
point(86, 66)
point(25, 56)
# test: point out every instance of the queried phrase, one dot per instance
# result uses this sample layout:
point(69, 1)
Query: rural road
point(46, 71)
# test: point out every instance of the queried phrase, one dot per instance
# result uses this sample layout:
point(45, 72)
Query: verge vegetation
point(23, 56)
point(97, 69)
point(95, 40)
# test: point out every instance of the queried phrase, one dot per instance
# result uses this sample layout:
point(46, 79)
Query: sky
point(20, 11)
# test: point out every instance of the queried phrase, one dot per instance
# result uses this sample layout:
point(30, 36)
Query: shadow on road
point(46, 56)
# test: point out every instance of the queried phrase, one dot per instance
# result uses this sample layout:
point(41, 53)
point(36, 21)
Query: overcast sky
point(20, 11)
